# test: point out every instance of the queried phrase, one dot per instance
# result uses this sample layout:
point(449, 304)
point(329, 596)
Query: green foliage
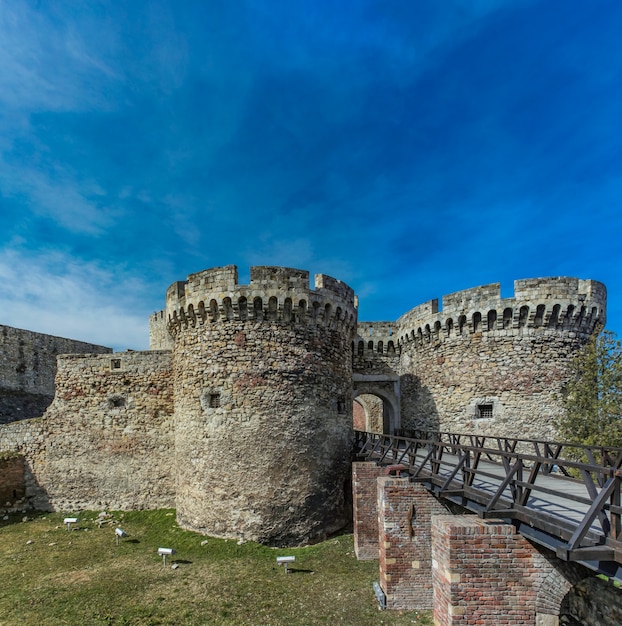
point(593, 401)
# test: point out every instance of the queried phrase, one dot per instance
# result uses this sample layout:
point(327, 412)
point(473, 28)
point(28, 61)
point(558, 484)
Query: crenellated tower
point(482, 363)
point(263, 411)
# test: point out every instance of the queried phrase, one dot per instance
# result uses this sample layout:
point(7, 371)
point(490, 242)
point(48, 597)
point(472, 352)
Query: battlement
point(539, 305)
point(275, 294)
point(376, 337)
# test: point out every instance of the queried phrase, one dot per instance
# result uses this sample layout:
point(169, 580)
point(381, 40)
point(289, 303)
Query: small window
point(214, 400)
point(484, 411)
point(341, 406)
point(115, 364)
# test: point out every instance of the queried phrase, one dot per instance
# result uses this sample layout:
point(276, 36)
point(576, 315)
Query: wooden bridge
point(565, 497)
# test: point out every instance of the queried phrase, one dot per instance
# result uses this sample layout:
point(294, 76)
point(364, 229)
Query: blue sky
point(411, 149)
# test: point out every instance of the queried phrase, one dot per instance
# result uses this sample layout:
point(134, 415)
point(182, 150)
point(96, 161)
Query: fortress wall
point(496, 366)
point(368, 413)
point(107, 439)
point(521, 379)
point(375, 349)
point(27, 370)
point(159, 337)
point(12, 480)
point(263, 412)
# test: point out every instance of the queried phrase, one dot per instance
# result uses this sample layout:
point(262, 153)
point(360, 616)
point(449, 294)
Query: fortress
point(241, 414)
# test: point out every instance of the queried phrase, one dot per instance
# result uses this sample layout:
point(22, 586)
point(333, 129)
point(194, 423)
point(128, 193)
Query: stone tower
point(263, 411)
point(491, 365)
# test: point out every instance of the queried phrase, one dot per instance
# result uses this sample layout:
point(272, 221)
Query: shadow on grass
point(293, 570)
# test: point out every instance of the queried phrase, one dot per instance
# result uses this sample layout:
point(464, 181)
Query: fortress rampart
point(241, 413)
point(275, 294)
point(497, 365)
point(107, 439)
point(27, 370)
point(539, 305)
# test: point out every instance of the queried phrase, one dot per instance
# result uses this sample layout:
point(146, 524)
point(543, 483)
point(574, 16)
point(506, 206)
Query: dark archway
point(377, 405)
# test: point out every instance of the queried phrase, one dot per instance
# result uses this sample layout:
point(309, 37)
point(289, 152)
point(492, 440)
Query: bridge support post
point(405, 512)
point(484, 573)
point(365, 511)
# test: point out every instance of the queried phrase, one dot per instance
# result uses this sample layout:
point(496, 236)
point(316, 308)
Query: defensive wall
point(28, 368)
point(107, 439)
point(375, 364)
point(482, 363)
point(240, 415)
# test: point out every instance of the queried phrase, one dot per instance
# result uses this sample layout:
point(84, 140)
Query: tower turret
point(263, 415)
point(496, 365)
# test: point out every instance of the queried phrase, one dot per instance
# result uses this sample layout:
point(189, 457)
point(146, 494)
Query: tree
point(593, 399)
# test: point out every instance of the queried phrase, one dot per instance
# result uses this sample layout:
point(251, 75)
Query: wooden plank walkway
point(579, 519)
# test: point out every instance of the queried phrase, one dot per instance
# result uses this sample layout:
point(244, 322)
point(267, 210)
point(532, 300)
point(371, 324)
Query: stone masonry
point(240, 415)
point(28, 368)
point(263, 409)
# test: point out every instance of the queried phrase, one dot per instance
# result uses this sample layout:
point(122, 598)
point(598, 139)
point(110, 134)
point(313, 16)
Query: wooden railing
point(565, 496)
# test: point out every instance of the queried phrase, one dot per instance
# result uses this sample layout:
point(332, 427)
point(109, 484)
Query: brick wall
point(405, 512)
point(365, 511)
point(483, 573)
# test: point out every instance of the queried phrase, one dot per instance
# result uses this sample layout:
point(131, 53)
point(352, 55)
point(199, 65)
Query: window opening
point(484, 411)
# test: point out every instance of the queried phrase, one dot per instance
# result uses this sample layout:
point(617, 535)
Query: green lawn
point(50, 575)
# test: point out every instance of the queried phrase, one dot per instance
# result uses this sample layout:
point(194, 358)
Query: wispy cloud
point(52, 293)
point(408, 148)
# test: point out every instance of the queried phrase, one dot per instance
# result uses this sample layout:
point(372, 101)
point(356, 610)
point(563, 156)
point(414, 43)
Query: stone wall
point(263, 388)
point(12, 480)
point(159, 337)
point(372, 413)
point(107, 439)
point(28, 368)
point(489, 365)
point(593, 601)
point(375, 348)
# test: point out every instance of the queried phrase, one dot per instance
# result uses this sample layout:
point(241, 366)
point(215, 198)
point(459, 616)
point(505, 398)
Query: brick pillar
point(483, 573)
point(405, 512)
point(365, 509)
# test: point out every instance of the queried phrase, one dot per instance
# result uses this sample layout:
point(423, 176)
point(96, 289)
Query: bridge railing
point(568, 493)
point(555, 452)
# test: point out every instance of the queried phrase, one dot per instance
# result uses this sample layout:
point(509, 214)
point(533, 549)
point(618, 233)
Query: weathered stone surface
point(241, 413)
point(28, 368)
point(493, 365)
point(263, 388)
point(106, 440)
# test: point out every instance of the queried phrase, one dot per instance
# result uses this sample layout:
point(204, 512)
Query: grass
point(54, 576)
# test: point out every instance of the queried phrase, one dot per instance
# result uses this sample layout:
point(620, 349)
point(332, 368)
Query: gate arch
point(387, 390)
